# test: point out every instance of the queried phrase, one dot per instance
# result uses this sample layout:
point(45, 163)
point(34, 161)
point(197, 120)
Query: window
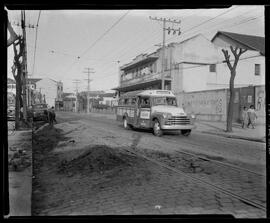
point(212, 68)
point(133, 101)
point(126, 101)
point(166, 64)
point(257, 69)
point(145, 102)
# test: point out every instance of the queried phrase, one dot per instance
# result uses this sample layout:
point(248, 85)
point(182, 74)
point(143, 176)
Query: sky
point(69, 41)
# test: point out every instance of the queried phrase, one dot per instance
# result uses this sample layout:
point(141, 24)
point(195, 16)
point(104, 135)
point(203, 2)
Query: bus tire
point(186, 132)
point(157, 131)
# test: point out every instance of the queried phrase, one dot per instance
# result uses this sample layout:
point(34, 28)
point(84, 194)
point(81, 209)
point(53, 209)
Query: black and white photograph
point(130, 112)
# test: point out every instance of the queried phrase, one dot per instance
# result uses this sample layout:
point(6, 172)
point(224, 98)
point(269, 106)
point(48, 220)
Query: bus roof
point(163, 93)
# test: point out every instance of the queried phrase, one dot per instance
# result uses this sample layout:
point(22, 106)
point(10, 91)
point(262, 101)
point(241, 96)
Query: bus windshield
point(164, 101)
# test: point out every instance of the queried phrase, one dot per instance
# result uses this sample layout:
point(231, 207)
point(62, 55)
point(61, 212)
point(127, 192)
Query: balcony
point(144, 78)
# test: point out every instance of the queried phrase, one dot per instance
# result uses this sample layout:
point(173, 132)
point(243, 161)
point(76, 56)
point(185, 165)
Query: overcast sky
point(69, 41)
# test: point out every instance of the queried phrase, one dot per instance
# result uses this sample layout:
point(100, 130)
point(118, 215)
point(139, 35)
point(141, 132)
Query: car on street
point(11, 113)
point(39, 112)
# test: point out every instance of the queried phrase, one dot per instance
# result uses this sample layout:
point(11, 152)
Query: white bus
point(155, 109)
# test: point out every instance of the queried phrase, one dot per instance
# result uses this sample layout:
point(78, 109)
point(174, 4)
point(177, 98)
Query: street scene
point(158, 112)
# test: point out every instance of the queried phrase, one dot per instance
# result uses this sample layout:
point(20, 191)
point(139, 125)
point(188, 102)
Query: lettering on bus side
point(145, 114)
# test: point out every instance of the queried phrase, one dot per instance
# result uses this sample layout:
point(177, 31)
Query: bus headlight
point(167, 115)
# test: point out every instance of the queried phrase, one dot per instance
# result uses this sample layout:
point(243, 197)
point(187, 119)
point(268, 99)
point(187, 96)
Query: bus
point(153, 109)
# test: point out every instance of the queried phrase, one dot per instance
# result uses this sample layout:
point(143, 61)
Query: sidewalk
point(215, 128)
point(218, 128)
point(20, 173)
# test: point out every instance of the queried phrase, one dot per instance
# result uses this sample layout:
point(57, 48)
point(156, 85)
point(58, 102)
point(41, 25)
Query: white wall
point(49, 88)
point(196, 50)
point(194, 78)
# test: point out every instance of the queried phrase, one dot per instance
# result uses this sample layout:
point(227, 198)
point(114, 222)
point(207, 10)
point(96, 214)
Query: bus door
point(137, 111)
point(144, 109)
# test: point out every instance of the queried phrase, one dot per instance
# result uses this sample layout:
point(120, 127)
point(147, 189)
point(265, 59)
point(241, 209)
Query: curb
point(40, 128)
point(235, 136)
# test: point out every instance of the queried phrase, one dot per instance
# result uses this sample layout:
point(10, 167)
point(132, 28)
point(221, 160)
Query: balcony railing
point(144, 78)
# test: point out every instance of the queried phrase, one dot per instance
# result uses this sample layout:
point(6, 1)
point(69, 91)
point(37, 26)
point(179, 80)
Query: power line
point(108, 30)
point(197, 26)
point(230, 25)
point(221, 23)
point(33, 70)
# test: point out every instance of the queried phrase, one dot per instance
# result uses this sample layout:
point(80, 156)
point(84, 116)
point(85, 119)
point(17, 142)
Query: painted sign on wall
point(209, 104)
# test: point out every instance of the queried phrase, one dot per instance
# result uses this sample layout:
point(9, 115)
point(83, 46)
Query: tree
point(13, 36)
point(232, 77)
point(17, 71)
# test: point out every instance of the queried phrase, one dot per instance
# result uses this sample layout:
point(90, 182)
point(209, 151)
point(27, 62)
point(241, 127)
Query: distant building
point(108, 99)
point(11, 86)
point(52, 90)
point(69, 102)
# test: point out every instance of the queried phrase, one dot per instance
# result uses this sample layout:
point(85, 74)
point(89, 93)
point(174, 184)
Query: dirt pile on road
point(98, 158)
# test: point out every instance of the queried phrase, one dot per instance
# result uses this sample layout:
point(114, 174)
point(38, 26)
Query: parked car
point(11, 113)
point(38, 112)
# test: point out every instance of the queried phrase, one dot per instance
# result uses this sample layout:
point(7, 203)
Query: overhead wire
point(98, 39)
point(222, 13)
point(35, 49)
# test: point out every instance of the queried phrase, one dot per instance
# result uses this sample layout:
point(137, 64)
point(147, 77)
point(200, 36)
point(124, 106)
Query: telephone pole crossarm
point(164, 21)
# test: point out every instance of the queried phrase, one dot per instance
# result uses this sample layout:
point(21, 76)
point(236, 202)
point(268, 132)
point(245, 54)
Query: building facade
point(196, 65)
point(52, 90)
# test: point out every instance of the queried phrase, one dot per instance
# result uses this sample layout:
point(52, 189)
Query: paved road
point(239, 152)
point(140, 187)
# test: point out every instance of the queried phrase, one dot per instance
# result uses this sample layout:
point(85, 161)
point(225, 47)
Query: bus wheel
point(186, 132)
point(156, 129)
point(125, 123)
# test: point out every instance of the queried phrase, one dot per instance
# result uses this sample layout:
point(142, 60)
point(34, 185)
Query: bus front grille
point(178, 120)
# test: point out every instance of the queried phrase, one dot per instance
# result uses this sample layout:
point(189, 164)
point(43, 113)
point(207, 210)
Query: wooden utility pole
point(76, 82)
point(24, 79)
point(169, 29)
point(88, 72)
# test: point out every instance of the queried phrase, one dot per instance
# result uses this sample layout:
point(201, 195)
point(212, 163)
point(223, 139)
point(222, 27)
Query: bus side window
point(145, 103)
point(126, 101)
point(133, 101)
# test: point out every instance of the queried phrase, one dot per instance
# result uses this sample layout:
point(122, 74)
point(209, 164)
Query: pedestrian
point(51, 116)
point(251, 116)
point(244, 117)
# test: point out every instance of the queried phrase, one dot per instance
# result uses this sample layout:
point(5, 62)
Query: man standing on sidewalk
point(245, 118)
point(251, 116)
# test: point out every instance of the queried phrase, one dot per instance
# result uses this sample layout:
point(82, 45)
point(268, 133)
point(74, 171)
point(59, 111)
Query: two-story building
point(198, 65)
point(52, 90)
point(145, 71)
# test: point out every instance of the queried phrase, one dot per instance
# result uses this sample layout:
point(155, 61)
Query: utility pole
point(25, 90)
point(88, 71)
point(76, 82)
point(169, 29)
point(24, 82)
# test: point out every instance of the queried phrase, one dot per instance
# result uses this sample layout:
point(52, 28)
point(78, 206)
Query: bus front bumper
point(176, 127)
